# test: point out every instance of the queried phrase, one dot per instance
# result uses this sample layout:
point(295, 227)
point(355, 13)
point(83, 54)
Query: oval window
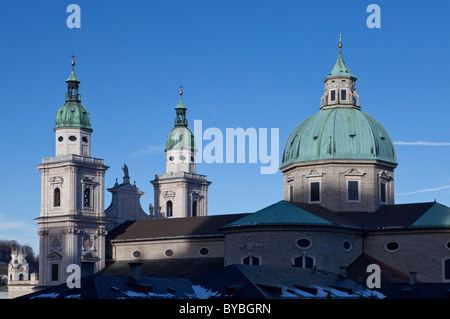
point(136, 254)
point(204, 252)
point(392, 246)
point(448, 245)
point(60, 139)
point(168, 253)
point(72, 138)
point(182, 157)
point(171, 158)
point(304, 243)
point(85, 139)
point(347, 245)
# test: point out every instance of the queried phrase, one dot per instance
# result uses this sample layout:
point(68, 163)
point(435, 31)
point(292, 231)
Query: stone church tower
point(71, 222)
point(181, 192)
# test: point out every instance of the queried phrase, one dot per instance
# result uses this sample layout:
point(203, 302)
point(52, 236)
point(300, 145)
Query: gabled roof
point(403, 216)
point(437, 215)
point(357, 270)
point(172, 228)
point(288, 213)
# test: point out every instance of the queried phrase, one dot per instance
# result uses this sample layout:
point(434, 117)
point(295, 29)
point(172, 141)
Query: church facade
point(337, 215)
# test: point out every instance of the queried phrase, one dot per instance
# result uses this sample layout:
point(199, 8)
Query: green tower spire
point(180, 109)
point(340, 69)
point(181, 137)
point(73, 113)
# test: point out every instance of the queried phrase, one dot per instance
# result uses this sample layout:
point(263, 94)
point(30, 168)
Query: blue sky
point(244, 63)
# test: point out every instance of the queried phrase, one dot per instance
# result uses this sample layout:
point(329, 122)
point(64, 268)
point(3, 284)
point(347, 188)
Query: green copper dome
point(339, 133)
point(180, 137)
point(73, 114)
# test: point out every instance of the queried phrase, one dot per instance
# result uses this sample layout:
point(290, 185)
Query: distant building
point(20, 280)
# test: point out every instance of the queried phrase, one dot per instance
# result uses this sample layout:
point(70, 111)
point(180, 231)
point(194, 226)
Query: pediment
point(56, 180)
point(54, 256)
point(314, 173)
point(384, 176)
point(354, 172)
point(168, 194)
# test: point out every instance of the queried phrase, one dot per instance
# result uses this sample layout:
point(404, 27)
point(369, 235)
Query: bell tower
point(181, 192)
point(71, 221)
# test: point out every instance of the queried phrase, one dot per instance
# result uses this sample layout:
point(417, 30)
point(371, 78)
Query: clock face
point(21, 269)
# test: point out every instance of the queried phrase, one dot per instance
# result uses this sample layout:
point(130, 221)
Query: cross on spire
point(73, 59)
point(340, 42)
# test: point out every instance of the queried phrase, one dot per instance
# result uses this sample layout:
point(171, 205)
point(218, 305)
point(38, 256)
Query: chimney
point(87, 269)
point(343, 271)
point(412, 278)
point(134, 271)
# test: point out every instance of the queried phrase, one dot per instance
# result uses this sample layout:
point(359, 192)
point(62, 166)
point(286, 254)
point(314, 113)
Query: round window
point(392, 246)
point(182, 157)
point(192, 159)
point(204, 252)
point(171, 158)
point(168, 253)
point(85, 139)
point(304, 243)
point(72, 138)
point(448, 245)
point(60, 139)
point(136, 254)
point(347, 245)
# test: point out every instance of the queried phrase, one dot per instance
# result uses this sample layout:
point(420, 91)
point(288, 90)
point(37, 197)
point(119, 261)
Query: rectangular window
point(55, 272)
point(315, 192)
point(344, 95)
point(447, 269)
point(353, 192)
point(383, 193)
point(333, 95)
point(291, 193)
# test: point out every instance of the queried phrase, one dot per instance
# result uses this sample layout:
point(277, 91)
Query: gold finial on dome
point(181, 89)
point(340, 42)
point(73, 60)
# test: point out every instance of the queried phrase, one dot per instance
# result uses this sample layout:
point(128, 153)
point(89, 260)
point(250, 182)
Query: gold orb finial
point(73, 60)
point(340, 42)
point(181, 89)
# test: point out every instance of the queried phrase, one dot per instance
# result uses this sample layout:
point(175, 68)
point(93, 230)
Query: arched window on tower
point(169, 212)
point(57, 197)
point(87, 197)
point(194, 208)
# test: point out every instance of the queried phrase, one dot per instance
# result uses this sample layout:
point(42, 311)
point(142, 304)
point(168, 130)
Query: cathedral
point(338, 214)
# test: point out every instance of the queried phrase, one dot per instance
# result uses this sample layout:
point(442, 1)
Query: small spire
point(340, 43)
